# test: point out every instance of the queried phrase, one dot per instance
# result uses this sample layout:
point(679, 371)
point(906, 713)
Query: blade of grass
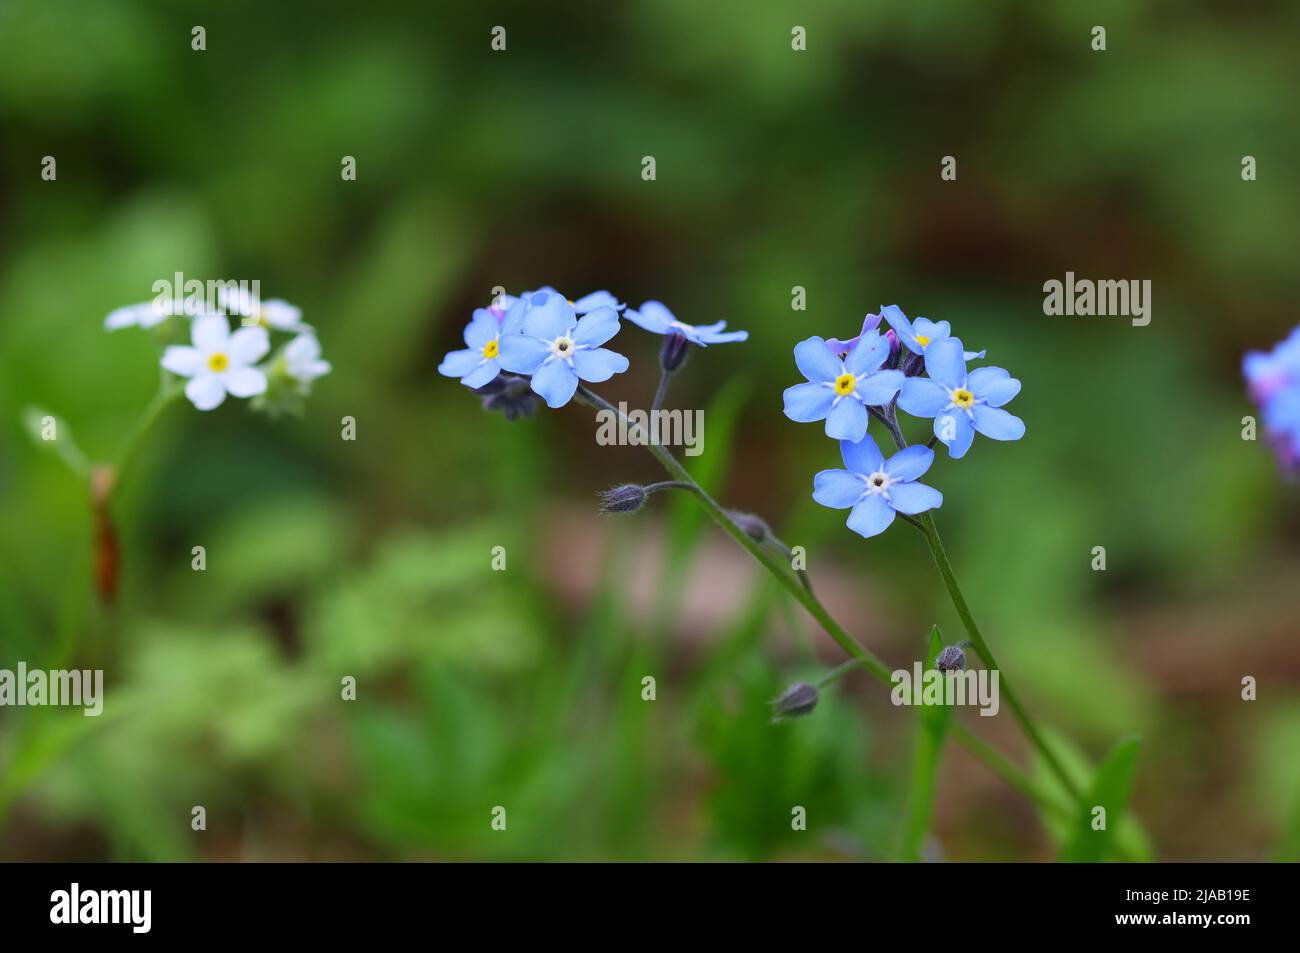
point(932, 727)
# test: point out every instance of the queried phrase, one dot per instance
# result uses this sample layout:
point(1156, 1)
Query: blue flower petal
point(871, 517)
point(838, 489)
point(862, 456)
point(555, 382)
point(723, 337)
point(459, 363)
point(808, 402)
point(597, 299)
point(909, 464)
point(481, 329)
point(597, 327)
point(954, 430)
point(549, 320)
point(867, 355)
point(598, 364)
point(913, 498)
point(997, 424)
point(945, 362)
point(815, 360)
point(652, 316)
point(993, 385)
point(922, 397)
point(522, 354)
point(485, 373)
point(847, 420)
point(895, 318)
point(879, 389)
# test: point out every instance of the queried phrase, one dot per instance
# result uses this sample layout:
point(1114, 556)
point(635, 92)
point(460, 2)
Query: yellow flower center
point(844, 384)
point(922, 340)
point(218, 362)
point(490, 349)
point(963, 398)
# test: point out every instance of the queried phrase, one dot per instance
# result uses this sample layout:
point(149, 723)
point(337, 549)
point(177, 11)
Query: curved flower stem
point(931, 533)
point(662, 391)
point(925, 523)
point(860, 655)
point(167, 392)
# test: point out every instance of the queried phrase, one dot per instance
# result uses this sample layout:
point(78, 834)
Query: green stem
point(860, 655)
point(167, 392)
point(931, 533)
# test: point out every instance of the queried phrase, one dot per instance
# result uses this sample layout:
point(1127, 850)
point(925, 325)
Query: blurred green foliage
point(775, 169)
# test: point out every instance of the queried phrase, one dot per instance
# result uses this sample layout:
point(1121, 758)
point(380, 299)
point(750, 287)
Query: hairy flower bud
point(754, 526)
point(627, 498)
point(798, 699)
point(951, 659)
point(674, 352)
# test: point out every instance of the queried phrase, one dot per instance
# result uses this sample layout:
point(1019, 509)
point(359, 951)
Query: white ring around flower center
point(878, 483)
point(563, 347)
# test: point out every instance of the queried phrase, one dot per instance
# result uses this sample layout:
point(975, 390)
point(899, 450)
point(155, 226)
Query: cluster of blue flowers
point(550, 343)
point(1273, 379)
point(917, 366)
point(544, 344)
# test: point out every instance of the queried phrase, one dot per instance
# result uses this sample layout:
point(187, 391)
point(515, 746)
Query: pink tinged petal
point(459, 363)
point(993, 385)
point(954, 430)
point(245, 381)
point(879, 389)
point(248, 345)
point(555, 382)
point(913, 498)
point(945, 362)
point(909, 464)
point(815, 360)
point(596, 327)
point(551, 319)
point(867, 355)
point(808, 402)
point(838, 489)
point(205, 391)
point(182, 361)
point(521, 354)
point(871, 517)
point(598, 364)
point(922, 397)
point(862, 456)
point(210, 334)
point(997, 424)
point(847, 420)
point(484, 373)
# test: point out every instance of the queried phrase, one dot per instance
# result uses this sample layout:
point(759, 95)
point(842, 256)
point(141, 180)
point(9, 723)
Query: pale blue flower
point(961, 403)
point(917, 335)
point(558, 349)
point(875, 488)
point(840, 390)
point(653, 316)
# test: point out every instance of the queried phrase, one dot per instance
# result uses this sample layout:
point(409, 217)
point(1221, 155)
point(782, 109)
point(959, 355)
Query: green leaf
point(1110, 790)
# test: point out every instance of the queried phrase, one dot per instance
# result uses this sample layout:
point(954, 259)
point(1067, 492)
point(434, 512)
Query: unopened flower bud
point(798, 699)
point(894, 348)
point(627, 498)
point(674, 351)
point(754, 526)
point(951, 659)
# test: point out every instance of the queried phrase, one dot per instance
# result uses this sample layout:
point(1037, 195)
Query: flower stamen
point(491, 349)
point(218, 362)
point(963, 398)
point(845, 384)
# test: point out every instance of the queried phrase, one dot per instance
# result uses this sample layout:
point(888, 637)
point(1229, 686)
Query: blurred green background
point(775, 168)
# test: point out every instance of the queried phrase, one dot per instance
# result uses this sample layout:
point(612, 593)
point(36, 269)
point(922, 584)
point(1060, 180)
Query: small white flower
point(219, 363)
point(144, 315)
point(302, 359)
point(276, 313)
